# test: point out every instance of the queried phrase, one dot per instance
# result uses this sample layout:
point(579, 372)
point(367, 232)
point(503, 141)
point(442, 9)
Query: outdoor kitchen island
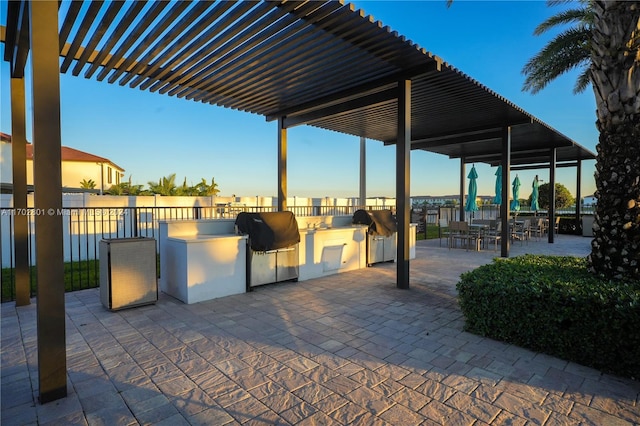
point(205, 259)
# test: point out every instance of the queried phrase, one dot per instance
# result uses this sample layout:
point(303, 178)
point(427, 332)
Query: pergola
point(319, 63)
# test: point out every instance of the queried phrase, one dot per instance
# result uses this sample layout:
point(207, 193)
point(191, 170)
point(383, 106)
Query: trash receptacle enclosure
point(128, 272)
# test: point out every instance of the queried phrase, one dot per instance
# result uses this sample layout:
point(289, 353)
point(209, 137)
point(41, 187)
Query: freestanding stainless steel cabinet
point(128, 272)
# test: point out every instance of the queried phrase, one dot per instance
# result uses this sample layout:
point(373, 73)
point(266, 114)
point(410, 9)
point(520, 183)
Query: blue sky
point(152, 135)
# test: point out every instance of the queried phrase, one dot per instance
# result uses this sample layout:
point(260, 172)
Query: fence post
point(136, 232)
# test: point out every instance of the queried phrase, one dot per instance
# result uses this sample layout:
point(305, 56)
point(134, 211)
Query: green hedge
point(551, 304)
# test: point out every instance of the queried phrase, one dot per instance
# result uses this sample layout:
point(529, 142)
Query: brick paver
point(345, 349)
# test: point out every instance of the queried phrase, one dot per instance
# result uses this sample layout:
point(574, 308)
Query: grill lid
point(269, 230)
point(380, 222)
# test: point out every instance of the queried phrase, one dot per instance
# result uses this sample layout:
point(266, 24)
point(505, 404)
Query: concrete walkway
point(349, 349)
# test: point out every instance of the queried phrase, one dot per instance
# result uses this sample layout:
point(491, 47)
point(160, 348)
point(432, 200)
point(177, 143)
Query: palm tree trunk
point(616, 245)
point(615, 73)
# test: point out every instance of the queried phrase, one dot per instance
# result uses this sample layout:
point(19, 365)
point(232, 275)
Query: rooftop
point(67, 153)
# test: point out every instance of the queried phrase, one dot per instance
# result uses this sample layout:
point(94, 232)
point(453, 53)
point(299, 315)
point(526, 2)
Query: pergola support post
point(403, 174)
point(282, 165)
point(578, 192)
point(52, 362)
point(363, 172)
point(19, 169)
point(463, 170)
point(552, 194)
point(504, 207)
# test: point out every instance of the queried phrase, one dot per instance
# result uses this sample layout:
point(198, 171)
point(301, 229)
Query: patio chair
point(520, 231)
point(494, 234)
point(460, 232)
point(452, 232)
point(537, 228)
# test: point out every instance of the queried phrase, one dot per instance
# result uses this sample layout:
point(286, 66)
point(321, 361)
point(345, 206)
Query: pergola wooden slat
point(103, 58)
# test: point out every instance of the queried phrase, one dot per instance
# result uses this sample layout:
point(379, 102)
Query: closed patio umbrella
point(471, 205)
point(498, 198)
point(515, 204)
point(534, 195)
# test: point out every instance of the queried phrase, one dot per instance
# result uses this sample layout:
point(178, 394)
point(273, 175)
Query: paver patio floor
point(342, 350)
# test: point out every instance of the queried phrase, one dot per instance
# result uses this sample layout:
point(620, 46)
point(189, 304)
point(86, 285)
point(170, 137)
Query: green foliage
point(87, 184)
point(186, 190)
point(205, 189)
point(432, 232)
point(568, 50)
point(165, 186)
point(115, 190)
point(78, 275)
point(564, 198)
point(552, 304)
point(125, 188)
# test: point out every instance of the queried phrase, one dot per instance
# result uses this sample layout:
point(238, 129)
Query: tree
point(606, 40)
point(568, 50)
point(165, 186)
point(564, 198)
point(115, 190)
point(125, 188)
point(204, 189)
point(87, 184)
point(186, 190)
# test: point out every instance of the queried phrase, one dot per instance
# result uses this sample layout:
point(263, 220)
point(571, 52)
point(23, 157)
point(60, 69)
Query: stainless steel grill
point(272, 247)
point(381, 234)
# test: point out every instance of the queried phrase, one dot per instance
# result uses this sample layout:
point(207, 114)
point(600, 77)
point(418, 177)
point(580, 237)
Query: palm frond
point(565, 52)
point(583, 81)
point(581, 17)
point(551, 3)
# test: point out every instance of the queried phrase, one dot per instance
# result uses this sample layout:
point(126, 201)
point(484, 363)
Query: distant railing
point(84, 227)
point(432, 215)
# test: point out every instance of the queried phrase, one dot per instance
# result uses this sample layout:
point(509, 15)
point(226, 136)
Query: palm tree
point(606, 42)
point(568, 50)
point(131, 189)
point(205, 189)
point(186, 190)
point(87, 184)
point(116, 190)
point(165, 186)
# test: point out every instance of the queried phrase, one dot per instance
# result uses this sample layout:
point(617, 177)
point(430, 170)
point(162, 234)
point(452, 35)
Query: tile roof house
point(76, 166)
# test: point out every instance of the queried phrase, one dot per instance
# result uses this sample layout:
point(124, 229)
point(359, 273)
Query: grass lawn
point(432, 232)
point(77, 275)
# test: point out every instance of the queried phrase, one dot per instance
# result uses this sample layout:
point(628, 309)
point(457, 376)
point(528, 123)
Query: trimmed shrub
point(552, 304)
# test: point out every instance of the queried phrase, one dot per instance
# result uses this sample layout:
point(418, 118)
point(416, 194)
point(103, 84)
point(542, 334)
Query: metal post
point(363, 171)
point(21, 219)
point(504, 207)
point(403, 174)
point(463, 170)
point(578, 192)
point(52, 362)
point(552, 193)
point(282, 165)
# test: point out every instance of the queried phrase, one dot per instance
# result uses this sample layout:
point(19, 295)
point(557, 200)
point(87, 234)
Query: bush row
point(551, 304)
